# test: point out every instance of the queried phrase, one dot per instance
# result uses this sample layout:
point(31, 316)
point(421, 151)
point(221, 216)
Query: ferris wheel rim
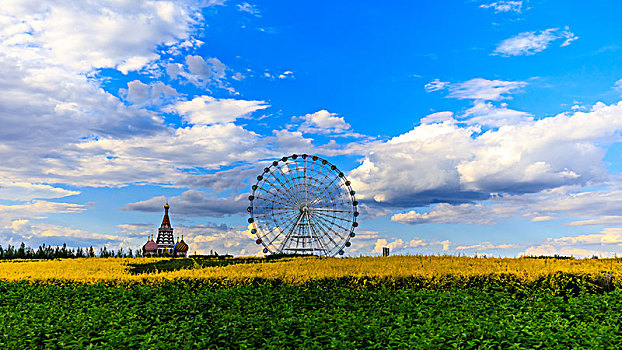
point(306, 201)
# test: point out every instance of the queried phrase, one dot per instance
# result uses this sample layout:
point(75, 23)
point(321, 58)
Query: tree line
point(62, 252)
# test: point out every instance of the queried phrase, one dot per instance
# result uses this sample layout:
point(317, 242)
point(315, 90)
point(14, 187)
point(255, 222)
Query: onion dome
point(181, 246)
point(150, 246)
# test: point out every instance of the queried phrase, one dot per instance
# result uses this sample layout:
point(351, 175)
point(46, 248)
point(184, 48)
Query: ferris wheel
point(303, 204)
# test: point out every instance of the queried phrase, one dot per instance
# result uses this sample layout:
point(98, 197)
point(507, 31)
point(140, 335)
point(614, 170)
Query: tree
point(21, 252)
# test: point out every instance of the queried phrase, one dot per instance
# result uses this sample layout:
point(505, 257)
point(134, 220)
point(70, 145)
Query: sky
point(466, 127)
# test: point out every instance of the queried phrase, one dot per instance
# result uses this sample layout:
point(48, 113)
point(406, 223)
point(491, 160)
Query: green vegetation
point(187, 314)
point(200, 261)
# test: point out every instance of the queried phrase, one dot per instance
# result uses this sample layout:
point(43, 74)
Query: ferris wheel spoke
point(271, 215)
point(273, 201)
point(278, 233)
point(319, 184)
point(331, 222)
point(332, 210)
point(318, 236)
point(306, 184)
point(295, 175)
point(296, 178)
point(332, 190)
point(326, 230)
point(277, 224)
point(287, 185)
point(289, 234)
point(272, 193)
point(272, 208)
point(345, 203)
point(333, 216)
point(281, 189)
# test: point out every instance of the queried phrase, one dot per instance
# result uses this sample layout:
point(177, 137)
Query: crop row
point(180, 315)
point(303, 270)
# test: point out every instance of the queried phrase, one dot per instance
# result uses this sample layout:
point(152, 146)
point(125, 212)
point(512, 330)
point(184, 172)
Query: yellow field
point(297, 270)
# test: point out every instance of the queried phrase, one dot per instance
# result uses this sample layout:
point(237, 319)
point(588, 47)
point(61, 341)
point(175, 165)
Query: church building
point(165, 245)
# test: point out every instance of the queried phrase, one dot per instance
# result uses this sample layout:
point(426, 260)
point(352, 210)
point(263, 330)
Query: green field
point(188, 315)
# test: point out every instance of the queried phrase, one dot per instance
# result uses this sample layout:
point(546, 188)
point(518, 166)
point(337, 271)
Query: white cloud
point(24, 191)
point(437, 117)
point(443, 213)
point(618, 85)
point(600, 221)
point(529, 43)
point(323, 122)
point(606, 243)
point(248, 8)
point(485, 113)
point(486, 246)
point(195, 203)
point(436, 85)
point(504, 6)
point(600, 206)
point(37, 207)
point(569, 36)
point(286, 74)
point(202, 72)
point(444, 162)
point(143, 94)
point(209, 110)
point(395, 245)
point(85, 35)
point(484, 89)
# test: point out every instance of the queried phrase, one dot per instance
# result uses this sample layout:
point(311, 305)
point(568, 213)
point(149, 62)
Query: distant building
point(165, 243)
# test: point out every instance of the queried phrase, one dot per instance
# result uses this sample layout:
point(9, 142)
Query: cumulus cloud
point(504, 6)
point(436, 85)
point(478, 89)
point(486, 246)
point(529, 43)
point(195, 203)
point(37, 207)
point(599, 207)
point(209, 110)
point(24, 191)
point(448, 163)
point(484, 89)
point(487, 114)
point(19, 220)
point(248, 8)
point(443, 213)
point(34, 234)
point(608, 242)
point(204, 71)
point(51, 55)
point(148, 94)
point(99, 37)
point(323, 122)
point(437, 117)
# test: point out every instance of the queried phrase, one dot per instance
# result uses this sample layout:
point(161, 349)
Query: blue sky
point(488, 127)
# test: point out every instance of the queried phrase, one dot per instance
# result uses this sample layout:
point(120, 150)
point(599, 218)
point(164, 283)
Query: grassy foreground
point(179, 315)
point(422, 302)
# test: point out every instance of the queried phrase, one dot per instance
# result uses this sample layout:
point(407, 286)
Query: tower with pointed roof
point(165, 239)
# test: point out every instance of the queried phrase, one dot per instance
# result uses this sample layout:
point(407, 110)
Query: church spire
point(166, 222)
